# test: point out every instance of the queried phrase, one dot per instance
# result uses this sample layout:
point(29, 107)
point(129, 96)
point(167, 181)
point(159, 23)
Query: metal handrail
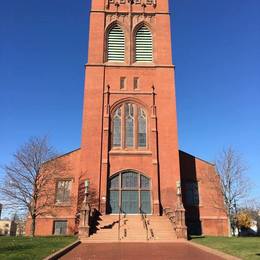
point(119, 222)
point(143, 216)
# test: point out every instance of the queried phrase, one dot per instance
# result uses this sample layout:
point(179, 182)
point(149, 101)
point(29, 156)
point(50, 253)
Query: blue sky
point(43, 49)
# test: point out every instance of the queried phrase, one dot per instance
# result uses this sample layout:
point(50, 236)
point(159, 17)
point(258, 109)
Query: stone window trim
point(123, 147)
point(132, 152)
point(127, 36)
point(139, 173)
point(65, 203)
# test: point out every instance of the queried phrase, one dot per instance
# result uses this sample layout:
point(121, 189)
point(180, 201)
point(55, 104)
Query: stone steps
point(162, 228)
point(107, 229)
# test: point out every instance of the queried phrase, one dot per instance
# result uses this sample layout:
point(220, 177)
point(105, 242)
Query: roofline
point(60, 156)
point(213, 164)
point(65, 154)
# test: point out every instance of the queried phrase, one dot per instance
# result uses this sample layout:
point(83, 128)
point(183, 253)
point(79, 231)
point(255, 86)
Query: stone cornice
point(129, 66)
point(133, 13)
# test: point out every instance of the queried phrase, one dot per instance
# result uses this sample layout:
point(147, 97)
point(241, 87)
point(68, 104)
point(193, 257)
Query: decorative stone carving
point(180, 228)
point(120, 17)
point(84, 214)
point(177, 216)
point(145, 2)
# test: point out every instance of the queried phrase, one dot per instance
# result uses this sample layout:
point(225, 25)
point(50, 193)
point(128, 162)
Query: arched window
point(116, 44)
point(143, 45)
point(130, 192)
point(129, 127)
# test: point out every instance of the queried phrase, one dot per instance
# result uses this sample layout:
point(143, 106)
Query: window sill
point(62, 204)
point(143, 63)
point(125, 152)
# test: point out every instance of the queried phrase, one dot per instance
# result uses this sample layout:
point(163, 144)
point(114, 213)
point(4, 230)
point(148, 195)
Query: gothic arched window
point(143, 45)
point(129, 127)
point(130, 192)
point(116, 44)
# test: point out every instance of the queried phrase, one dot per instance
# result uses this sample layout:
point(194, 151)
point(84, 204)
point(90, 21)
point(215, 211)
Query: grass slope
point(242, 247)
point(31, 248)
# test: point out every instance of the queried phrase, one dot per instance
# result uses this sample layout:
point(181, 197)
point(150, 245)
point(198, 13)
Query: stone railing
point(177, 218)
point(85, 218)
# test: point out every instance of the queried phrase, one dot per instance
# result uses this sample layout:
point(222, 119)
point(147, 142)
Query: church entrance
point(130, 193)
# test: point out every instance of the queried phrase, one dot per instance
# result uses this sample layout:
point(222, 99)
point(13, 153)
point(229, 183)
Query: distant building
point(7, 228)
point(1, 207)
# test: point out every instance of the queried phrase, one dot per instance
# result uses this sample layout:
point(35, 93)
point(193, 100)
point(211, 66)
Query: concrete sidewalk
point(139, 251)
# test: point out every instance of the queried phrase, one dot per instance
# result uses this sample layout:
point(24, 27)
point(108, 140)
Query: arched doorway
point(130, 192)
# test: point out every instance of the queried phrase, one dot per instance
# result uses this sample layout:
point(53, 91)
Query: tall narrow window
point(136, 83)
point(117, 128)
point(116, 44)
point(141, 128)
point(129, 125)
point(122, 82)
point(143, 45)
point(63, 191)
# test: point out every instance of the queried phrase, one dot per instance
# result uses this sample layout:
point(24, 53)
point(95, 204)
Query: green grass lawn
point(242, 247)
point(31, 248)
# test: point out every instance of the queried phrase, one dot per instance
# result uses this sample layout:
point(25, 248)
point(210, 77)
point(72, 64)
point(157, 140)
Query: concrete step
point(162, 228)
point(135, 229)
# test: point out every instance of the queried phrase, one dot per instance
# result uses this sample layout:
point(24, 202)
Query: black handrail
point(143, 216)
point(119, 222)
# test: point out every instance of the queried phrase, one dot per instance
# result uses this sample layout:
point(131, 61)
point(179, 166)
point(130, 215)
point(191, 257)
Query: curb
point(62, 251)
point(214, 251)
point(130, 241)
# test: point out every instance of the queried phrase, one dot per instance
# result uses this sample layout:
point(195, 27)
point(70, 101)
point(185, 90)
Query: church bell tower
point(129, 135)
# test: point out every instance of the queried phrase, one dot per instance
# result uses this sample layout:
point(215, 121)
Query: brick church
point(129, 152)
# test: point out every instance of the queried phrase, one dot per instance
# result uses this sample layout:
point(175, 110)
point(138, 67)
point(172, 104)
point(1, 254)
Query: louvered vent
point(116, 44)
point(144, 45)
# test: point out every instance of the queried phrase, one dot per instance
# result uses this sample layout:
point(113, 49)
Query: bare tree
point(27, 179)
point(234, 181)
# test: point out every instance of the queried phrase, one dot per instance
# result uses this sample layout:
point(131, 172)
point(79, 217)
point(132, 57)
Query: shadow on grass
point(258, 254)
point(16, 247)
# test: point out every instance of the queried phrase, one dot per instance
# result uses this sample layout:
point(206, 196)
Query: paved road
point(136, 251)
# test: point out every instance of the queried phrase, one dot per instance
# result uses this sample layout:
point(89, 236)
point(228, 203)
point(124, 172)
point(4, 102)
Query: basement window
point(60, 228)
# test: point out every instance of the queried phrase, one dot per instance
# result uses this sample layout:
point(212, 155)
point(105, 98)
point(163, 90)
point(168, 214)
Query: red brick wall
point(209, 217)
point(45, 226)
point(98, 163)
point(71, 170)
